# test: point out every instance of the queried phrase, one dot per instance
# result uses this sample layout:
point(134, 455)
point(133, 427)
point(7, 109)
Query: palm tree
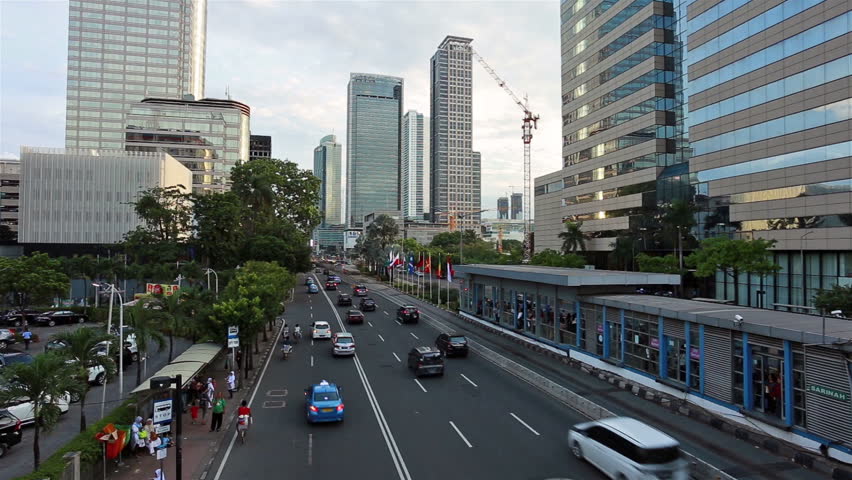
point(144, 323)
point(80, 347)
point(171, 315)
point(573, 238)
point(44, 382)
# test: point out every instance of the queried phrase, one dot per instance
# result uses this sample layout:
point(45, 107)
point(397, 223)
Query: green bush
point(90, 449)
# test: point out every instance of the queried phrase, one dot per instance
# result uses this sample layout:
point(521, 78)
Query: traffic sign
point(163, 411)
point(233, 342)
point(233, 331)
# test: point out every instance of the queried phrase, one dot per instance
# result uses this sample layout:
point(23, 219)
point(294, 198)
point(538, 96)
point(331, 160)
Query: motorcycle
point(286, 350)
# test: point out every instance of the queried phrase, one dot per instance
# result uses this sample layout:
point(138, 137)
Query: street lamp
point(461, 215)
point(179, 279)
point(208, 271)
point(802, 255)
point(112, 292)
point(158, 383)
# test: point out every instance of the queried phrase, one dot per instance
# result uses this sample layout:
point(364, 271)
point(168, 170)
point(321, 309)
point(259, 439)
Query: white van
point(626, 449)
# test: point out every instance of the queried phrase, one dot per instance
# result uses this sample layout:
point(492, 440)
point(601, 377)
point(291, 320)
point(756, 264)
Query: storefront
point(771, 367)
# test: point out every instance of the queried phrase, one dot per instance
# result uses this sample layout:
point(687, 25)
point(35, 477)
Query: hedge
point(90, 449)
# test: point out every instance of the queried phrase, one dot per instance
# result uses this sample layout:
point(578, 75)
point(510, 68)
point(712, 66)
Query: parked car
point(627, 449)
point(10, 431)
point(359, 290)
point(367, 305)
point(354, 316)
point(95, 373)
point(9, 359)
point(343, 343)
point(16, 318)
point(22, 408)
point(344, 300)
point(60, 316)
point(7, 337)
point(408, 314)
point(129, 341)
point(426, 361)
point(452, 344)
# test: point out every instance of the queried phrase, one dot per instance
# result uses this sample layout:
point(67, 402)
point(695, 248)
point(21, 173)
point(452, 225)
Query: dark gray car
point(426, 361)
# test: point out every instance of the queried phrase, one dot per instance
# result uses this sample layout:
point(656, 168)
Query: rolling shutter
point(717, 363)
point(826, 377)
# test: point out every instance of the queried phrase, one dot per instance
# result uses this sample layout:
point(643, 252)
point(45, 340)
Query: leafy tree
point(552, 258)
point(45, 382)
point(383, 230)
point(624, 249)
point(218, 228)
point(278, 188)
point(732, 257)
point(664, 264)
point(241, 311)
point(512, 246)
point(81, 349)
point(7, 235)
point(573, 238)
point(32, 279)
point(168, 311)
point(263, 280)
point(146, 329)
point(838, 298)
point(166, 213)
point(197, 304)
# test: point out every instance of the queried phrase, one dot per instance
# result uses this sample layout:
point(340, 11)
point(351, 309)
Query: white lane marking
point(460, 434)
point(310, 449)
point(312, 342)
point(390, 441)
point(386, 313)
point(420, 385)
point(251, 400)
point(312, 360)
point(524, 423)
point(312, 314)
point(469, 380)
point(415, 336)
point(398, 322)
point(396, 357)
point(381, 338)
point(370, 324)
point(312, 307)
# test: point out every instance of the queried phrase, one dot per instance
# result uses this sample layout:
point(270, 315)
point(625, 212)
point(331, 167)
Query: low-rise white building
point(70, 196)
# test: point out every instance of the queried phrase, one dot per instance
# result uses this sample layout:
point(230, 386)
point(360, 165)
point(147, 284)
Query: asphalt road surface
point(477, 421)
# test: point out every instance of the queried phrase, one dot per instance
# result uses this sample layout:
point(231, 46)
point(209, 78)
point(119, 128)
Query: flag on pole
point(427, 268)
point(450, 270)
point(410, 263)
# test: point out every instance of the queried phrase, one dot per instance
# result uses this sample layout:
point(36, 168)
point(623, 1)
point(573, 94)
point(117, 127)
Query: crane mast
point(530, 123)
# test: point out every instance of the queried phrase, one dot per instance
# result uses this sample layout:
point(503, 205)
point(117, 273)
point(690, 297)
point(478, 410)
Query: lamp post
point(208, 271)
point(112, 292)
point(158, 383)
point(461, 231)
point(802, 255)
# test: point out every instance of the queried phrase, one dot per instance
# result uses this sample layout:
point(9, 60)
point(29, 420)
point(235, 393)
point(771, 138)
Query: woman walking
point(218, 412)
point(232, 384)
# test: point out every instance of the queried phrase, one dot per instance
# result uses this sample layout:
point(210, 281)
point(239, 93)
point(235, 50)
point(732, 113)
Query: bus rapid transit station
point(782, 372)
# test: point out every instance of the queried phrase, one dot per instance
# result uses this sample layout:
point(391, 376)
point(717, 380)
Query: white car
point(343, 344)
point(320, 330)
point(23, 408)
point(626, 449)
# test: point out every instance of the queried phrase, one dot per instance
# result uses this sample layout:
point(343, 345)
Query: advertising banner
point(160, 289)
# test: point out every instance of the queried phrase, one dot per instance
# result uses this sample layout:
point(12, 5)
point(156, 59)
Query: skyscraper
point(414, 179)
point(260, 146)
point(327, 167)
point(373, 124)
point(503, 208)
point(454, 170)
point(517, 206)
point(122, 52)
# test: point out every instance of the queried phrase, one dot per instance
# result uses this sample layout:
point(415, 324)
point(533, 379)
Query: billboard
point(349, 238)
point(161, 289)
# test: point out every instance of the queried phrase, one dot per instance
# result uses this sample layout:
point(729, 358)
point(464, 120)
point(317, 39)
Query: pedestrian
point(232, 384)
point(194, 411)
point(239, 356)
point(154, 441)
point(149, 428)
point(198, 388)
point(159, 475)
point(218, 412)
point(28, 336)
point(205, 404)
point(210, 392)
point(137, 435)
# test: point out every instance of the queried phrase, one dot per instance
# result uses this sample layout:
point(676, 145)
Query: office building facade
point(454, 169)
point(517, 206)
point(327, 167)
point(503, 208)
point(260, 146)
point(373, 127)
point(621, 91)
point(10, 189)
point(83, 196)
point(414, 179)
point(770, 125)
point(122, 52)
point(208, 136)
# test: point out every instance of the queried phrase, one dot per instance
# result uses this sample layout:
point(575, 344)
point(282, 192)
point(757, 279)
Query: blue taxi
point(313, 288)
point(324, 403)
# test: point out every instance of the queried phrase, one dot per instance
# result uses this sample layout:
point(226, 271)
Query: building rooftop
point(569, 277)
point(454, 39)
point(797, 327)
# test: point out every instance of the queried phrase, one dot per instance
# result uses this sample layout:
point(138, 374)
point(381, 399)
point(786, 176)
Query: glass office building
point(207, 136)
point(373, 123)
point(120, 52)
point(327, 167)
point(414, 179)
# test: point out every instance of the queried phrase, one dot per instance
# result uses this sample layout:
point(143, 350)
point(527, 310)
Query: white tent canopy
point(187, 364)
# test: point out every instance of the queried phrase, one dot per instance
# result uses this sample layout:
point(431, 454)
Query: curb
point(229, 420)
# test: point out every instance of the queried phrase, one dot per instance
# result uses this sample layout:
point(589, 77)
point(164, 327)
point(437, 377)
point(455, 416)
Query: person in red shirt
point(244, 419)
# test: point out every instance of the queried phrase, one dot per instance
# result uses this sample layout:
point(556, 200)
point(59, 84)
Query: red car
point(354, 316)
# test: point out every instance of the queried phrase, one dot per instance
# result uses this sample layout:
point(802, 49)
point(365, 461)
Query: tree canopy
point(32, 279)
point(838, 298)
point(732, 257)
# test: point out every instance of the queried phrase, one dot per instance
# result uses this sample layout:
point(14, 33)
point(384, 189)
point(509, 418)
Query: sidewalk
point(199, 444)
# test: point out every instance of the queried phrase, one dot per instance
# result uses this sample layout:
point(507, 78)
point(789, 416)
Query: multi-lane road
point(477, 421)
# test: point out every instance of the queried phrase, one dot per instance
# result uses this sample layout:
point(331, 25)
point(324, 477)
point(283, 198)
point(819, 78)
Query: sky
point(290, 61)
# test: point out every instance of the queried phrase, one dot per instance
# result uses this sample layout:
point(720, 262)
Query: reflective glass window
point(802, 157)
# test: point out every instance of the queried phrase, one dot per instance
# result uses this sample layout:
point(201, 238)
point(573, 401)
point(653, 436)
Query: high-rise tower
point(327, 167)
point(414, 174)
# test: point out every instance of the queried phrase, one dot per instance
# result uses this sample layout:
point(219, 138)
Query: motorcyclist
point(286, 335)
point(297, 331)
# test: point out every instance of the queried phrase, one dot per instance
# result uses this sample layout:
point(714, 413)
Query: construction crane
point(530, 123)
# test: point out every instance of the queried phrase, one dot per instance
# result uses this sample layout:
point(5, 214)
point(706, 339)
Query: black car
point(325, 271)
point(9, 359)
point(367, 305)
point(10, 431)
point(15, 318)
point(60, 316)
point(330, 285)
point(408, 314)
point(452, 344)
point(426, 361)
point(344, 300)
